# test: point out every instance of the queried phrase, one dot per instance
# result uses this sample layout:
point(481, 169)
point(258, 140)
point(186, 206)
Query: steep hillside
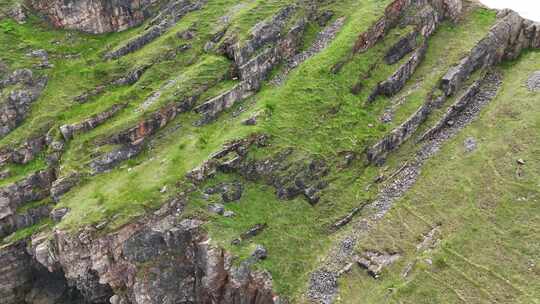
point(250, 151)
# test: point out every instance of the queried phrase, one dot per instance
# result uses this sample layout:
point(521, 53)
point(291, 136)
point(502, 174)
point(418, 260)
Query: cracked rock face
point(163, 259)
point(94, 16)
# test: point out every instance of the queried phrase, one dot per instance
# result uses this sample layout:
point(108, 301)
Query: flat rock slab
point(533, 83)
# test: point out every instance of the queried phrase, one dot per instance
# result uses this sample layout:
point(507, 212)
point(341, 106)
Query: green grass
point(25, 233)
point(488, 214)
point(315, 113)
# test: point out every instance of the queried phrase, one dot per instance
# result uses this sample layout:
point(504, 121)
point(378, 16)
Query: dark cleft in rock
point(404, 46)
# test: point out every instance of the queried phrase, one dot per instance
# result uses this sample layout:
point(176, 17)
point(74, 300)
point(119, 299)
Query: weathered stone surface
point(429, 14)
point(533, 83)
point(255, 59)
point(24, 219)
point(169, 15)
point(24, 153)
point(160, 257)
point(229, 192)
point(62, 185)
point(397, 81)
point(455, 109)
point(15, 106)
point(33, 188)
point(324, 38)
point(505, 40)
point(15, 273)
point(111, 159)
point(94, 16)
point(156, 121)
point(374, 262)
point(18, 13)
point(132, 76)
point(57, 214)
point(69, 131)
point(404, 46)
point(265, 32)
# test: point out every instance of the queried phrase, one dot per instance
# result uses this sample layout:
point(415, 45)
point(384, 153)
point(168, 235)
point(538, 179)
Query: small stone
point(250, 121)
point(163, 190)
point(101, 225)
point(58, 214)
point(229, 213)
point(260, 253)
point(114, 299)
point(450, 123)
point(232, 192)
point(216, 208)
point(18, 13)
point(533, 83)
point(470, 144)
point(521, 162)
point(5, 174)
point(370, 125)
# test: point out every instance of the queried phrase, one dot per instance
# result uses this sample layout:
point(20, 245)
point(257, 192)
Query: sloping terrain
point(249, 151)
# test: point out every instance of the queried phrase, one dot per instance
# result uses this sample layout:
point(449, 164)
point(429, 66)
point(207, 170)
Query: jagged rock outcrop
point(22, 280)
point(15, 105)
point(33, 188)
point(15, 273)
point(506, 39)
point(25, 153)
point(68, 131)
point(427, 14)
point(94, 16)
point(169, 15)
point(255, 59)
point(290, 178)
point(324, 38)
point(160, 258)
point(397, 81)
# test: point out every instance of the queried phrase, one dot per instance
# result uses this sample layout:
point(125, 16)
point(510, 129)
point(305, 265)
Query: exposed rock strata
point(167, 18)
point(33, 188)
point(428, 14)
point(375, 262)
point(404, 46)
point(505, 40)
point(324, 38)
point(533, 83)
point(25, 153)
point(94, 16)
point(253, 68)
point(323, 288)
point(290, 178)
point(15, 273)
point(397, 81)
point(15, 106)
point(69, 131)
point(160, 257)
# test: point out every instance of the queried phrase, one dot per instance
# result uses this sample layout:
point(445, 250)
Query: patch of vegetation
point(485, 205)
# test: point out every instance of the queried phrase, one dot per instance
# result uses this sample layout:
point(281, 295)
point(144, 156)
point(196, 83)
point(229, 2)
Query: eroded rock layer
point(94, 16)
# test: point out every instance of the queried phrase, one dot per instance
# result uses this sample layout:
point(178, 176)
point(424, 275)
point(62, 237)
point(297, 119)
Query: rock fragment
point(533, 83)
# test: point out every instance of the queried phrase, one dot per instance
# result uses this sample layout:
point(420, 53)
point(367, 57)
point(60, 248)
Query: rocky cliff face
point(94, 16)
point(160, 259)
point(167, 256)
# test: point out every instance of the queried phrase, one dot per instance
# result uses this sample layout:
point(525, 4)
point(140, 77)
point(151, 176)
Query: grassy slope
point(488, 214)
point(314, 112)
